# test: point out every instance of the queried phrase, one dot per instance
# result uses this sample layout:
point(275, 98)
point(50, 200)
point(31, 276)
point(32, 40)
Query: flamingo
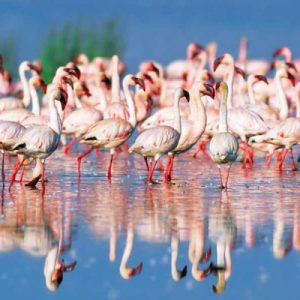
point(223, 146)
point(157, 141)
point(40, 141)
point(112, 133)
point(193, 129)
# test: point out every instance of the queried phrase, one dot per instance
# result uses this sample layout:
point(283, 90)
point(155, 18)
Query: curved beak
point(240, 71)
point(34, 68)
point(291, 66)
point(261, 78)
point(291, 78)
point(200, 275)
point(217, 62)
point(68, 81)
point(186, 94)
point(210, 91)
point(206, 256)
point(131, 272)
point(139, 82)
point(68, 268)
point(43, 86)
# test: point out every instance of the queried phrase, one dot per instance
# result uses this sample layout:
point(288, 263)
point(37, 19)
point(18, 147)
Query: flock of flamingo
point(234, 105)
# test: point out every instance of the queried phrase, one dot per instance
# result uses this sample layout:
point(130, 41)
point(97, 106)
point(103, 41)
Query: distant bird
point(112, 133)
point(223, 146)
point(160, 140)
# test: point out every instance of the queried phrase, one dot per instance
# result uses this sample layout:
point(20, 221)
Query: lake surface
point(252, 231)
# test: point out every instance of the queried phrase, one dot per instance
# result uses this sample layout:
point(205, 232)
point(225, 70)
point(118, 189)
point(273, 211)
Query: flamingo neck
point(177, 118)
point(229, 81)
point(35, 100)
point(26, 96)
point(223, 123)
point(115, 89)
point(251, 92)
point(283, 104)
point(130, 103)
point(127, 251)
point(174, 256)
point(220, 254)
point(198, 113)
point(55, 122)
point(71, 97)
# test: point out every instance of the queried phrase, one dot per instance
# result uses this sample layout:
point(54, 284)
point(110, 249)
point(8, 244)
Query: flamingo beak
point(70, 267)
point(139, 82)
point(63, 98)
point(153, 68)
point(183, 272)
point(280, 51)
point(210, 78)
point(43, 86)
point(148, 77)
point(68, 81)
point(261, 78)
point(240, 71)
point(86, 91)
point(135, 271)
point(206, 256)
point(186, 94)
point(291, 78)
point(291, 66)
point(34, 68)
point(217, 62)
point(209, 91)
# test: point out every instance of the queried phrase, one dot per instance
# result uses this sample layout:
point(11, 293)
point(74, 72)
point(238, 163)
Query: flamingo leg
point(22, 173)
point(160, 165)
point(79, 158)
point(146, 163)
point(220, 173)
point(68, 147)
point(167, 168)
point(268, 159)
point(202, 148)
point(110, 165)
point(3, 173)
point(295, 168)
point(171, 168)
point(150, 175)
point(283, 155)
point(14, 173)
point(227, 177)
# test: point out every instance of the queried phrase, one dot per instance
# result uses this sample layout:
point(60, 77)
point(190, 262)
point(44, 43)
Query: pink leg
point(268, 159)
point(22, 173)
point(284, 152)
point(68, 147)
point(79, 158)
point(150, 175)
point(14, 174)
point(227, 177)
point(169, 177)
point(220, 173)
point(109, 166)
point(160, 165)
point(97, 151)
point(295, 168)
point(3, 173)
point(168, 168)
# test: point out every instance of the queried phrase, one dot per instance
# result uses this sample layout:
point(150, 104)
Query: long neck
point(71, 97)
point(251, 92)
point(54, 118)
point(177, 118)
point(115, 89)
point(198, 113)
point(130, 103)
point(223, 127)
point(284, 109)
point(26, 96)
point(174, 256)
point(35, 100)
point(229, 81)
point(127, 250)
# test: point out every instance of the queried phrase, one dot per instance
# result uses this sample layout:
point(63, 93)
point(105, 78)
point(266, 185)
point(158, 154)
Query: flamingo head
point(221, 87)
point(67, 80)
point(284, 51)
point(194, 50)
point(105, 80)
point(207, 76)
point(286, 74)
point(36, 68)
point(225, 59)
point(82, 89)
point(138, 81)
point(81, 59)
point(42, 84)
point(147, 77)
point(131, 272)
point(62, 97)
point(207, 90)
point(73, 71)
point(150, 66)
point(182, 93)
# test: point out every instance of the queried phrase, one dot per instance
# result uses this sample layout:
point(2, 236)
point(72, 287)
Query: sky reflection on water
point(256, 225)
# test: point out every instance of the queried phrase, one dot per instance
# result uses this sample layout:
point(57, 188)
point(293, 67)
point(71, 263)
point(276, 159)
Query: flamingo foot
point(33, 182)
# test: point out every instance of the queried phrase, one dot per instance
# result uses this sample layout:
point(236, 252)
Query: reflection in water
point(211, 223)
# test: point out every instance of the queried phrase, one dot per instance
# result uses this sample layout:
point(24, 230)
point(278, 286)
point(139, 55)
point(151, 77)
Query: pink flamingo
point(40, 141)
point(112, 133)
point(157, 141)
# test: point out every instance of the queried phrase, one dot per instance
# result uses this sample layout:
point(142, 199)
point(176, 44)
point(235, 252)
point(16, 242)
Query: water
point(257, 222)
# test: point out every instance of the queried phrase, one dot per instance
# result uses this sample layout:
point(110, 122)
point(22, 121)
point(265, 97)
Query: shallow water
point(164, 226)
